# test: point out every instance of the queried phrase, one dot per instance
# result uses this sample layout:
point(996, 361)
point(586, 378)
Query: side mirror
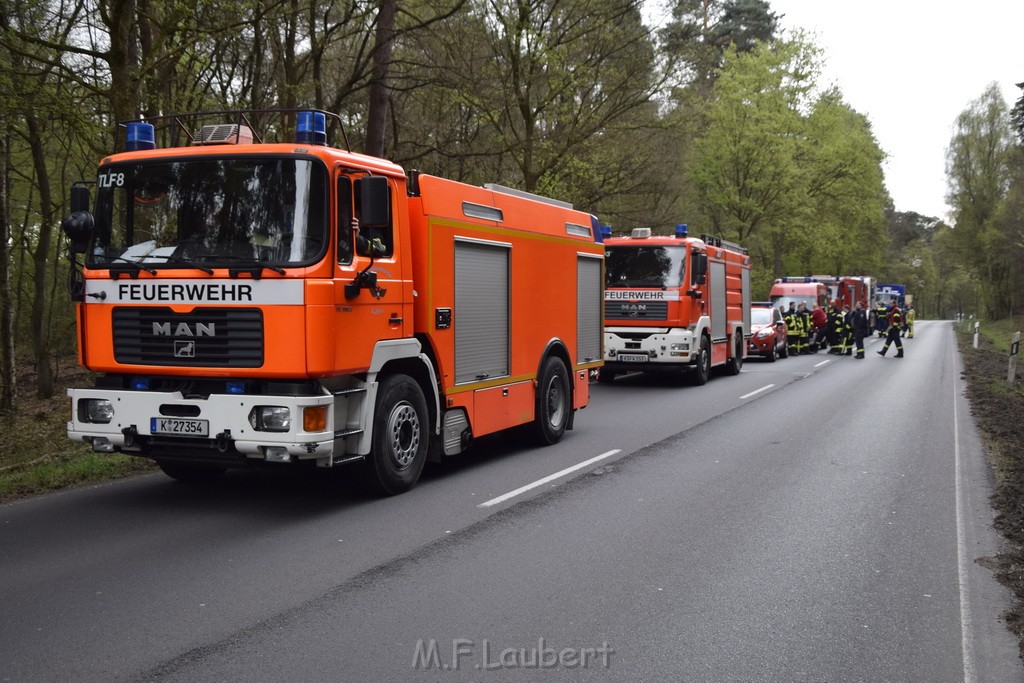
point(78, 227)
point(79, 198)
point(366, 279)
point(700, 267)
point(374, 201)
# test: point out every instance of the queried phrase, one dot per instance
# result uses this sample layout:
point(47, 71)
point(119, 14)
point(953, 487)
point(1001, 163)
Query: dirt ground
point(999, 412)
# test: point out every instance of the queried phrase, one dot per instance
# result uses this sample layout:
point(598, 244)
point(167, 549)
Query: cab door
point(366, 310)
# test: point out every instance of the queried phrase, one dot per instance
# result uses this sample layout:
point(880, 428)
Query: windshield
point(210, 211)
point(645, 266)
point(784, 301)
point(760, 316)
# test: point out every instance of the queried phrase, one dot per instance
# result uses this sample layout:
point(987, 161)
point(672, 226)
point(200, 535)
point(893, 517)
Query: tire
point(702, 371)
point(401, 434)
point(771, 355)
point(784, 353)
point(191, 474)
point(552, 406)
point(606, 376)
point(735, 364)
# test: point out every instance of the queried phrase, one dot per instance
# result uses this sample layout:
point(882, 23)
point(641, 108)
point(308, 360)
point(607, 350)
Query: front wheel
point(771, 355)
point(401, 433)
point(552, 404)
point(699, 375)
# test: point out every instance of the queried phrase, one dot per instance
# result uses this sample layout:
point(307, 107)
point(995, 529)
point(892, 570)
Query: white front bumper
point(668, 346)
point(227, 414)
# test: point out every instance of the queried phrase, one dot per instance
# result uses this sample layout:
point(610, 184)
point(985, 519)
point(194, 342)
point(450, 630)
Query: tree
point(701, 31)
point(532, 82)
point(978, 173)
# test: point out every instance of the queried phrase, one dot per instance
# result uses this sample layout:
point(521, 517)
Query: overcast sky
point(912, 66)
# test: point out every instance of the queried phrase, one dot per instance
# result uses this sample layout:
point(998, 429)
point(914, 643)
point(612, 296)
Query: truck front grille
point(635, 310)
point(204, 337)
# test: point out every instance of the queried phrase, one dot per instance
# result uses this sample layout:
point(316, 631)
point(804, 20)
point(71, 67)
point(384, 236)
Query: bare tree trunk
point(377, 116)
point(40, 333)
point(8, 393)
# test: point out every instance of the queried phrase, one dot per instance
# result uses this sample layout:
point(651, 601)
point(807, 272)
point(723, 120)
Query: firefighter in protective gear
point(793, 326)
point(805, 327)
point(835, 328)
point(892, 334)
point(881, 318)
point(861, 329)
point(847, 343)
point(910, 321)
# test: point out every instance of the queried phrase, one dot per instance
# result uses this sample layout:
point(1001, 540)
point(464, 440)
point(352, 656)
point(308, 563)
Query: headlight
point(96, 410)
point(764, 333)
point(270, 419)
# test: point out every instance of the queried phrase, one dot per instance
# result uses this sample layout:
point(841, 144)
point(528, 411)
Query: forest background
point(715, 118)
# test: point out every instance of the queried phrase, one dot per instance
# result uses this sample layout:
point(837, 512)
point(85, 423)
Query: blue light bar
point(140, 384)
point(606, 231)
point(312, 128)
point(680, 229)
point(596, 229)
point(235, 387)
point(140, 136)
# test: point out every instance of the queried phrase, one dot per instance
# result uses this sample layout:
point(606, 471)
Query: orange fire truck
point(255, 302)
point(675, 303)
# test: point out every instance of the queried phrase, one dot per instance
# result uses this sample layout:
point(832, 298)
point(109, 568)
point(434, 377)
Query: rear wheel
point(699, 375)
point(736, 362)
point(191, 474)
point(400, 435)
point(552, 404)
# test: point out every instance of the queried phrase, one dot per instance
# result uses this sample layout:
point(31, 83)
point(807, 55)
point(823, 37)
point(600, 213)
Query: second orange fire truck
point(675, 303)
point(236, 317)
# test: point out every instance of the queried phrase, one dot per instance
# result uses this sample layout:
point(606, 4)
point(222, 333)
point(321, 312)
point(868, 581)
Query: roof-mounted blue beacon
point(680, 229)
point(312, 128)
point(139, 136)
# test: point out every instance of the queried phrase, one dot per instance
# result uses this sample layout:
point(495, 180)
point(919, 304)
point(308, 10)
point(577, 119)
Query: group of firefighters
point(843, 330)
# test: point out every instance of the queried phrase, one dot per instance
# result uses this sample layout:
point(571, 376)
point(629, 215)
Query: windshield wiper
point(133, 268)
point(255, 269)
point(183, 262)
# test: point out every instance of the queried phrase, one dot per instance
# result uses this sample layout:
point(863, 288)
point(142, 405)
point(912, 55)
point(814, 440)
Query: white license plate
point(179, 426)
point(633, 357)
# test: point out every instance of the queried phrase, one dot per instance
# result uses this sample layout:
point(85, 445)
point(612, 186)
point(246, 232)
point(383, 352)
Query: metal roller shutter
point(481, 311)
point(589, 292)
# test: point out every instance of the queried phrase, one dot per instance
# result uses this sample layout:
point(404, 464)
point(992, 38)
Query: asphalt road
point(817, 518)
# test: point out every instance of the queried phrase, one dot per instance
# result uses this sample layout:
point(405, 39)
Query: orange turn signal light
point(314, 419)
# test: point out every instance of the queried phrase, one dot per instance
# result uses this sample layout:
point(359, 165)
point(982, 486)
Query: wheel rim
point(403, 435)
point(705, 360)
point(555, 402)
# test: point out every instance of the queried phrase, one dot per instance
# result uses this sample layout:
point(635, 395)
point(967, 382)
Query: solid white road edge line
point(758, 391)
point(818, 365)
point(551, 477)
point(967, 645)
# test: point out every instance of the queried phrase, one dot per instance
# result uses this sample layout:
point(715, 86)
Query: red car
point(767, 332)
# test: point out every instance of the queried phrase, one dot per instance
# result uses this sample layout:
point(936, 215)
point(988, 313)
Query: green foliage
point(986, 180)
point(793, 175)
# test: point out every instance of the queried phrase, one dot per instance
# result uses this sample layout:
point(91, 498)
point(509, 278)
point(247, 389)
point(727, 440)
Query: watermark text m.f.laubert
point(484, 655)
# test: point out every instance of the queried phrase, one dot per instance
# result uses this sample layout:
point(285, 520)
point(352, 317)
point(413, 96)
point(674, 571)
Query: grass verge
point(36, 455)
point(997, 409)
